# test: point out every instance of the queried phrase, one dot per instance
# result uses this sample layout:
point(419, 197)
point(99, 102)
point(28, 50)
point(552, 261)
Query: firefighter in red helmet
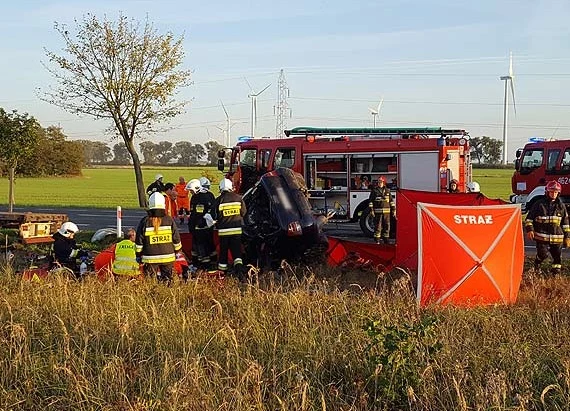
point(453, 186)
point(381, 208)
point(548, 225)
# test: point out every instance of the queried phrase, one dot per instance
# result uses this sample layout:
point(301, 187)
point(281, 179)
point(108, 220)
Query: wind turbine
point(253, 95)
point(509, 79)
point(376, 113)
point(227, 130)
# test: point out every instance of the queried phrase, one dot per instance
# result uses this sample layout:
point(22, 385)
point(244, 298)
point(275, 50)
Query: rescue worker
point(228, 212)
point(381, 208)
point(125, 263)
point(65, 248)
point(170, 200)
point(473, 187)
point(201, 203)
point(182, 199)
point(157, 240)
point(453, 186)
point(157, 186)
point(547, 223)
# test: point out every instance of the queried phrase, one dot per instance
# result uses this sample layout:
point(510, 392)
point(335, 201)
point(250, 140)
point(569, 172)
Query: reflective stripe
point(162, 258)
point(556, 265)
point(229, 231)
point(549, 219)
point(238, 261)
point(222, 267)
point(549, 238)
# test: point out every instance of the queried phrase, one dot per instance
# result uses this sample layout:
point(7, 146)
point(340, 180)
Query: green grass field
point(110, 187)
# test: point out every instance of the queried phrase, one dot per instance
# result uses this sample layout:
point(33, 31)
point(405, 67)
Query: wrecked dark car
point(280, 224)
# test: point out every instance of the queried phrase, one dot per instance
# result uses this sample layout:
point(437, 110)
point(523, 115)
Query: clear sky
point(435, 62)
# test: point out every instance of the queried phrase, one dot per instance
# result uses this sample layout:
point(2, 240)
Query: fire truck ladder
point(362, 133)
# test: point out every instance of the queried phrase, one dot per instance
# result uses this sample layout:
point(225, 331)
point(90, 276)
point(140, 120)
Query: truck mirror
point(221, 164)
point(517, 163)
point(518, 153)
point(221, 154)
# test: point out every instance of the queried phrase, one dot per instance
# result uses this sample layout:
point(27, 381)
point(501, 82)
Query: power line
point(447, 102)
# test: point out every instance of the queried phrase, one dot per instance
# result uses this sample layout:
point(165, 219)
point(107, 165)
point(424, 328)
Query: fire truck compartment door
point(419, 171)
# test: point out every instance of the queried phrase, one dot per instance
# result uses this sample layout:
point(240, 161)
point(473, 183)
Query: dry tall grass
point(292, 344)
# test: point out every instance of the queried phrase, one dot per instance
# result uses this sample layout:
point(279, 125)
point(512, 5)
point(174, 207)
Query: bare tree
point(122, 71)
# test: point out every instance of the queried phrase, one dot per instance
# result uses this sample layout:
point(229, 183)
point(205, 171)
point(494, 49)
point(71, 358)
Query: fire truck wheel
point(367, 223)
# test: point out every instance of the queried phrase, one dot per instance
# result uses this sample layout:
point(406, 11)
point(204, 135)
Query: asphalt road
point(96, 218)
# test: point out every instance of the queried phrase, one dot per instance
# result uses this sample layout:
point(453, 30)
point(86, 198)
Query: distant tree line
point(181, 153)
point(28, 149)
point(486, 150)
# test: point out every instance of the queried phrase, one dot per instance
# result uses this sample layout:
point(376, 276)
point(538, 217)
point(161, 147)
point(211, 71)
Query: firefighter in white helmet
point(157, 240)
point(203, 249)
point(228, 212)
point(65, 247)
point(157, 186)
point(473, 187)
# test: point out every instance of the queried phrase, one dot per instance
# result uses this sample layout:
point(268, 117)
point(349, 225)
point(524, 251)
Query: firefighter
point(548, 225)
point(200, 205)
point(381, 208)
point(157, 186)
point(65, 247)
point(473, 187)
point(453, 186)
point(157, 240)
point(228, 212)
point(182, 200)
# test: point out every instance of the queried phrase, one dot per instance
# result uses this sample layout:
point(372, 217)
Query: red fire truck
point(339, 164)
point(537, 163)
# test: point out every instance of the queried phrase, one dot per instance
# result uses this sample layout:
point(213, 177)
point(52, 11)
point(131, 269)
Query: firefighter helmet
point(68, 228)
point(205, 183)
point(553, 185)
point(156, 201)
point(382, 178)
point(158, 177)
point(193, 185)
point(473, 187)
point(226, 185)
point(454, 181)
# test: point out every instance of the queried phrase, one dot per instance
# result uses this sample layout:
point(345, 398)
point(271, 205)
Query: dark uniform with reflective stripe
point(229, 210)
point(549, 220)
point(157, 249)
point(380, 201)
point(203, 248)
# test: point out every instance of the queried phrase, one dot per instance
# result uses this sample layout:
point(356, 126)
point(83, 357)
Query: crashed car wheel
point(367, 223)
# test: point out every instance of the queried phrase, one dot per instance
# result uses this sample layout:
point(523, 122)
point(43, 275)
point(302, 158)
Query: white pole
point(505, 119)
point(119, 222)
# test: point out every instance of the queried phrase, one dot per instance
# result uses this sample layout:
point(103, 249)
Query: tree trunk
point(143, 201)
point(12, 171)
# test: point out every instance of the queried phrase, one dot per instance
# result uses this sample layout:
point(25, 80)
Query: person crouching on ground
point(125, 263)
point(65, 247)
point(157, 240)
point(547, 223)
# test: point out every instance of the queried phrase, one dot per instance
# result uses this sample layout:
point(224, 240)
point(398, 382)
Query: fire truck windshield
point(246, 157)
point(532, 158)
